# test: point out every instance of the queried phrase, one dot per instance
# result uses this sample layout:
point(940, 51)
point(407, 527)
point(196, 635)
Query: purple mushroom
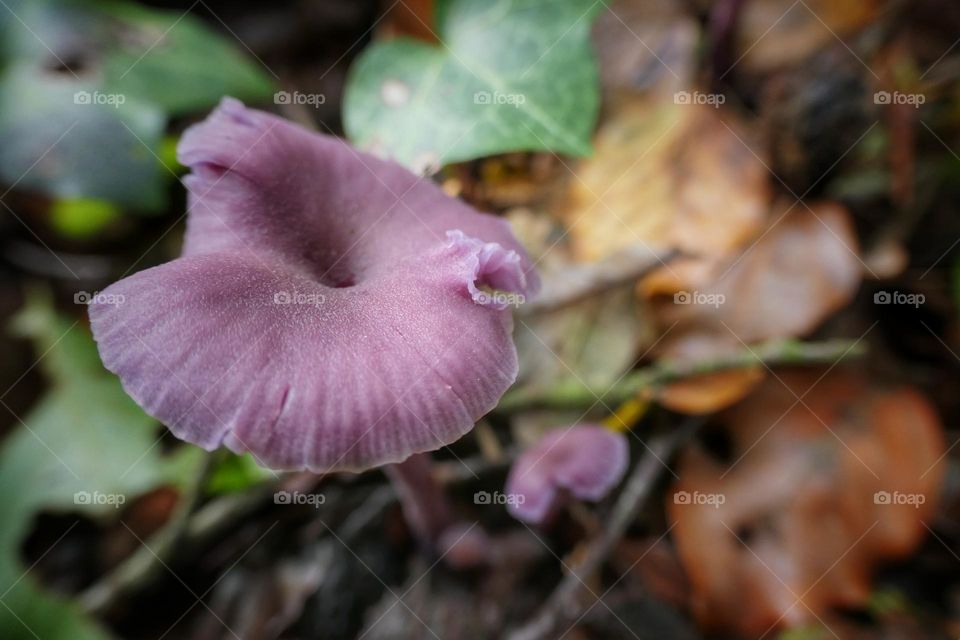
point(586, 461)
point(331, 311)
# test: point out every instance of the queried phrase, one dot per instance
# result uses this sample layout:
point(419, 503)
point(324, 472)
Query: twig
point(564, 606)
point(573, 394)
point(579, 282)
point(147, 562)
point(213, 520)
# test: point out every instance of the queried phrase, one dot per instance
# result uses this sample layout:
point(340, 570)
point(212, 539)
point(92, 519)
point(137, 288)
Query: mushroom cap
point(331, 311)
point(585, 460)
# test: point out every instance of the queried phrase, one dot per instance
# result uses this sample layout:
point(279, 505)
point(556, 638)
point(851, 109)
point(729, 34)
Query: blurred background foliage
point(797, 197)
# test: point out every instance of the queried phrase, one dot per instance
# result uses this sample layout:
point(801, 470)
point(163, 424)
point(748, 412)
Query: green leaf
point(55, 27)
point(62, 137)
point(170, 59)
point(508, 75)
point(168, 155)
point(85, 447)
point(83, 217)
point(888, 602)
point(235, 473)
point(173, 60)
point(135, 67)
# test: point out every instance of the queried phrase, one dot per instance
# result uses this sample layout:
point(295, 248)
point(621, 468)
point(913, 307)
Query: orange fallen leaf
point(816, 493)
point(706, 394)
point(803, 268)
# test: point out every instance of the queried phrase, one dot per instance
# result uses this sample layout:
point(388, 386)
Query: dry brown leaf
point(800, 270)
point(776, 33)
point(413, 18)
point(705, 394)
point(645, 45)
point(651, 565)
point(513, 180)
point(815, 495)
point(668, 176)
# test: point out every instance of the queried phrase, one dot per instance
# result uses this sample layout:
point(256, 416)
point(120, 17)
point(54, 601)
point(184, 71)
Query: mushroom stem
point(421, 497)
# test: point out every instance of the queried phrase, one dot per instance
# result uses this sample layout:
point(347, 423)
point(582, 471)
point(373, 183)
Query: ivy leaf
point(85, 447)
point(508, 75)
point(182, 68)
point(55, 141)
point(84, 119)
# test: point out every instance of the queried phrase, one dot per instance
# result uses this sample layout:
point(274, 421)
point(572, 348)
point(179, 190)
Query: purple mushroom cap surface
point(331, 311)
point(585, 460)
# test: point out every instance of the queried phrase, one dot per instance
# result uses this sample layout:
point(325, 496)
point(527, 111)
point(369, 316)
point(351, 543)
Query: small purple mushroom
point(586, 461)
point(331, 311)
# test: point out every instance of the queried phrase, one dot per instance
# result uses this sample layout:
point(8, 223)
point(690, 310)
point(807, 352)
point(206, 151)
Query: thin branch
point(579, 282)
point(145, 564)
point(573, 394)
